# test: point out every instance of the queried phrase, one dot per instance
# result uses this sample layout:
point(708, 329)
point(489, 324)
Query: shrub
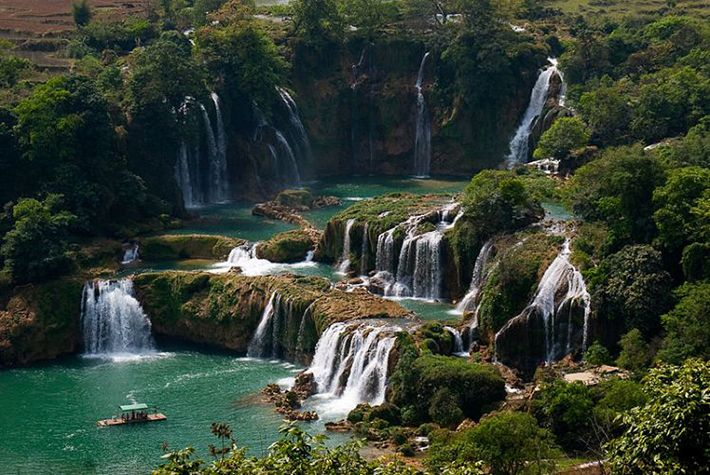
point(565, 134)
point(669, 433)
point(635, 353)
point(597, 354)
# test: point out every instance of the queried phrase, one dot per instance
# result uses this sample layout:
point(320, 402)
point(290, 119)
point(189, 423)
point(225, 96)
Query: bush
point(687, 326)
point(566, 410)
point(565, 134)
point(508, 443)
point(36, 247)
point(469, 389)
point(597, 354)
point(635, 353)
point(669, 433)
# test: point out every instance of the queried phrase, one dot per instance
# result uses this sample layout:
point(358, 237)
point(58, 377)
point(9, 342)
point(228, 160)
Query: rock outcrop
point(40, 322)
point(225, 310)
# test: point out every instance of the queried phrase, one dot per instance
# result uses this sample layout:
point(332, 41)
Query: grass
point(618, 8)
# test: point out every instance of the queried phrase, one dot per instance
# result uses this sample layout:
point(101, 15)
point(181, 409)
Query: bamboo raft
point(132, 414)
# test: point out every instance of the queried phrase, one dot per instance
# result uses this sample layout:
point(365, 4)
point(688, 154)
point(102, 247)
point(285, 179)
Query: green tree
point(509, 443)
point(501, 201)
point(565, 409)
point(687, 326)
point(632, 289)
point(667, 435)
point(67, 138)
point(36, 246)
point(675, 203)
point(246, 59)
point(635, 353)
point(318, 21)
point(597, 354)
point(81, 11)
point(618, 188)
point(565, 134)
point(369, 15)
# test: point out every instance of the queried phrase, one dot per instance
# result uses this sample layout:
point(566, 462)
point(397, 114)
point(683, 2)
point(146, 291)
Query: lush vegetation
point(90, 154)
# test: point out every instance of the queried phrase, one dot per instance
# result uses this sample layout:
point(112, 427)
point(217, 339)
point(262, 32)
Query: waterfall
point(245, 258)
point(131, 253)
point(262, 343)
point(417, 271)
point(428, 269)
point(363, 250)
point(422, 140)
point(190, 163)
point(219, 192)
point(458, 341)
point(302, 142)
point(470, 300)
point(344, 266)
point(519, 145)
point(112, 320)
point(287, 153)
point(351, 362)
point(560, 289)
point(384, 260)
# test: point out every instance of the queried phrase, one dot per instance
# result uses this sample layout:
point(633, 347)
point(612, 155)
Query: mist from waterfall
point(520, 143)
point(422, 140)
point(112, 320)
point(351, 363)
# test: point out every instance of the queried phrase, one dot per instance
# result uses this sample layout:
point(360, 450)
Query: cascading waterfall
point(470, 301)
point(219, 191)
point(198, 189)
point(351, 361)
point(385, 257)
point(112, 320)
point(344, 266)
point(296, 127)
point(519, 145)
point(131, 253)
point(363, 250)
point(422, 140)
point(262, 343)
point(245, 258)
point(458, 340)
point(561, 288)
point(419, 268)
point(287, 152)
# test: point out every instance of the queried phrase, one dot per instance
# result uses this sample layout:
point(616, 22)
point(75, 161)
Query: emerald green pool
point(49, 412)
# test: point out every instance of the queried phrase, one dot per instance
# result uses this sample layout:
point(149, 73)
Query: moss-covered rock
point(224, 310)
point(187, 246)
point(291, 246)
point(520, 262)
point(379, 214)
point(299, 199)
point(40, 322)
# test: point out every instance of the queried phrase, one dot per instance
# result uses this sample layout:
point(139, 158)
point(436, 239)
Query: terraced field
point(39, 28)
point(700, 8)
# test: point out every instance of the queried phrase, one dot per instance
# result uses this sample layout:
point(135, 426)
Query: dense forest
point(197, 103)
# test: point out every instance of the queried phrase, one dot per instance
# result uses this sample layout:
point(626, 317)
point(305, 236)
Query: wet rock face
point(359, 104)
point(225, 310)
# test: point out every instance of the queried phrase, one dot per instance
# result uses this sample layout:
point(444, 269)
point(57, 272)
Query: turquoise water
point(234, 220)
point(352, 190)
point(49, 412)
point(429, 310)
